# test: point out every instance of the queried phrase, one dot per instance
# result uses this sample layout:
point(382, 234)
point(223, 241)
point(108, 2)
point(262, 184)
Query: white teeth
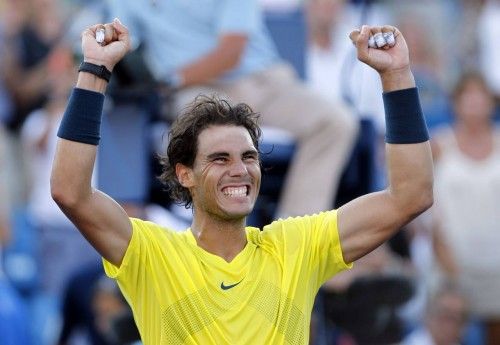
point(235, 191)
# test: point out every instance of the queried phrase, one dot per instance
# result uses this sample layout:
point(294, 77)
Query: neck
point(220, 237)
point(474, 129)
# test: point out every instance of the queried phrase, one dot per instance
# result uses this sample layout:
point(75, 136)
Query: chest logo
point(227, 287)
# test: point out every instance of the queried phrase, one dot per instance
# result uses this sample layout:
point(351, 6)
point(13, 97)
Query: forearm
point(410, 176)
point(397, 80)
point(222, 59)
point(408, 153)
point(74, 159)
point(205, 70)
point(87, 81)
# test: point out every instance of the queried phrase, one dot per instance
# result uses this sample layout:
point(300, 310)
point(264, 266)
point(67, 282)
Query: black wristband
point(99, 71)
point(82, 120)
point(404, 119)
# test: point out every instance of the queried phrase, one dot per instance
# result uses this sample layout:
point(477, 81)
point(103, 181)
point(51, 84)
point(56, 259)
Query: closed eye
point(220, 159)
point(250, 156)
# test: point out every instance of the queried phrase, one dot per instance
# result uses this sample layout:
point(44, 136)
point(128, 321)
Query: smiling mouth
point(236, 191)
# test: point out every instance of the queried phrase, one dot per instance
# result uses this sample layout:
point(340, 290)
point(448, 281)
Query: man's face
point(225, 178)
point(475, 103)
point(447, 319)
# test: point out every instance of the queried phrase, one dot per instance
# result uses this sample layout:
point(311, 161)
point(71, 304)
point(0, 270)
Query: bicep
point(367, 222)
point(104, 223)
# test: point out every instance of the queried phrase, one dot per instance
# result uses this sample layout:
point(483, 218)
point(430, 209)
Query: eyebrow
point(226, 154)
point(252, 152)
point(217, 155)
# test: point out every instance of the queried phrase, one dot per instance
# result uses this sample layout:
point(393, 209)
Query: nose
point(238, 168)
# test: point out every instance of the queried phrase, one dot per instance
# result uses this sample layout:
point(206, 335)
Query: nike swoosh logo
point(227, 287)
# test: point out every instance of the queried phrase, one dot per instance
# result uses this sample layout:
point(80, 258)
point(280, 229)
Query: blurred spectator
point(427, 54)
point(467, 199)
point(4, 214)
point(4, 197)
point(5, 110)
point(365, 302)
point(94, 310)
point(12, 15)
point(280, 5)
point(60, 249)
point(32, 33)
point(445, 319)
point(223, 47)
point(78, 319)
point(14, 320)
point(334, 71)
point(488, 31)
point(57, 236)
point(332, 67)
point(35, 28)
point(463, 43)
point(113, 316)
point(13, 314)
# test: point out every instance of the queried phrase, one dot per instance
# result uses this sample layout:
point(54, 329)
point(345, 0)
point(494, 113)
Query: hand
point(384, 59)
point(392, 62)
point(116, 44)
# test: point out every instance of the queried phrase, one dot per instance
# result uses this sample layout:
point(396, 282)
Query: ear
point(184, 175)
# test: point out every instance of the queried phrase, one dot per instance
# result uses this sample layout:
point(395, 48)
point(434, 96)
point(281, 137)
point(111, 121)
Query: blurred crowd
point(435, 283)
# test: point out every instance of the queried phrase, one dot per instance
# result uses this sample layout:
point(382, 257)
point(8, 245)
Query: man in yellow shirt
point(221, 282)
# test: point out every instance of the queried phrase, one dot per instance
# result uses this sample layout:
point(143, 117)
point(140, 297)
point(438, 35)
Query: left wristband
point(82, 119)
point(99, 71)
point(404, 119)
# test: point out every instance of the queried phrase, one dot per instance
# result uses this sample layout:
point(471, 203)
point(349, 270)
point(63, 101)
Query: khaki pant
point(324, 132)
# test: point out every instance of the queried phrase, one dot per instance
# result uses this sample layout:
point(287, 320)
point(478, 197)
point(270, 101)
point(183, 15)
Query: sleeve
point(313, 244)
point(135, 270)
point(326, 249)
point(239, 16)
point(146, 274)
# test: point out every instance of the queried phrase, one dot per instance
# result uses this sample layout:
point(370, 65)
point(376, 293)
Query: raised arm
point(98, 217)
point(370, 220)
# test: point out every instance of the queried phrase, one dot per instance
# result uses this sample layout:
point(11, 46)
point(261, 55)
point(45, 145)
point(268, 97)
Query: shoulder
point(300, 227)
point(150, 229)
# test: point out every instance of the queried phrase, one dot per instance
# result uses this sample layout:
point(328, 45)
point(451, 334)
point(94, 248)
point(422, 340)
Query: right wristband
point(82, 120)
point(404, 119)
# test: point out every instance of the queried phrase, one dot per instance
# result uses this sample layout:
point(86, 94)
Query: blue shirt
point(178, 32)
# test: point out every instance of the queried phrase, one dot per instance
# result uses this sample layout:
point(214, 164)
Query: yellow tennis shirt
point(182, 294)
